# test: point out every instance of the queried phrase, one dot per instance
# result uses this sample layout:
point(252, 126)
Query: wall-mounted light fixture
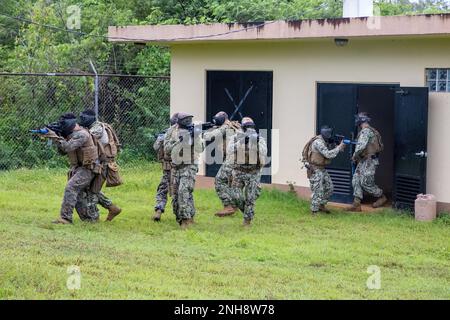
point(340, 42)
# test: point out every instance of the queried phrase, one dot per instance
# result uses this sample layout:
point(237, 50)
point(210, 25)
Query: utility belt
point(179, 166)
point(73, 168)
point(371, 156)
point(311, 168)
point(98, 178)
point(90, 166)
point(249, 169)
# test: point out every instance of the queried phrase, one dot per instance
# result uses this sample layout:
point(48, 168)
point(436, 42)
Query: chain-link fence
point(136, 106)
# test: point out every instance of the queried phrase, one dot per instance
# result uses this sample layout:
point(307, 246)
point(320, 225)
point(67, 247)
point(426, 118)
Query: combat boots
point(247, 223)
point(191, 221)
point(356, 206)
point(184, 224)
point(61, 221)
point(380, 202)
point(226, 211)
point(113, 211)
point(157, 215)
point(324, 209)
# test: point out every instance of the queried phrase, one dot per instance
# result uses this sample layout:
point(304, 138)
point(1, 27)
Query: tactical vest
point(312, 156)
point(235, 126)
point(112, 147)
point(86, 155)
point(160, 152)
point(249, 158)
point(374, 146)
point(161, 155)
point(169, 135)
point(191, 148)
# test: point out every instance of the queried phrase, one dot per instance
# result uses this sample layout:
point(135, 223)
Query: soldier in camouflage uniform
point(104, 133)
point(184, 145)
point(222, 132)
point(316, 156)
point(368, 147)
point(164, 185)
point(79, 145)
point(248, 151)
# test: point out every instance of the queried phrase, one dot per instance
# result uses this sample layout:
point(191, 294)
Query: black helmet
point(220, 118)
point(87, 118)
point(174, 119)
point(326, 132)
point(67, 121)
point(247, 122)
point(361, 118)
point(184, 120)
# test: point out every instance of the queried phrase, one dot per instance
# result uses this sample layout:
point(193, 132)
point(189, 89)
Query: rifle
point(54, 126)
point(198, 129)
point(338, 138)
point(246, 136)
point(207, 125)
point(160, 134)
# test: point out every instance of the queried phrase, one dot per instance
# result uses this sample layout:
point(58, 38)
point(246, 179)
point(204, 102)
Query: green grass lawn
point(286, 254)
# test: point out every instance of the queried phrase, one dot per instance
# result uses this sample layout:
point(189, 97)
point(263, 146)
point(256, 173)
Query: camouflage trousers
point(103, 200)
point(183, 187)
point(364, 179)
point(87, 206)
point(75, 196)
point(321, 188)
point(223, 184)
point(245, 190)
point(163, 190)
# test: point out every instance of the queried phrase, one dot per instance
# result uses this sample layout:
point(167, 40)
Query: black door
point(410, 155)
point(336, 107)
point(252, 90)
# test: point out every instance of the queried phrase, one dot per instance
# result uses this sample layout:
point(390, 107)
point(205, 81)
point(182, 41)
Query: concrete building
point(306, 73)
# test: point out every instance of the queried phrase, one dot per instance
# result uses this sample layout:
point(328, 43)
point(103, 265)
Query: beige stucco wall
point(297, 66)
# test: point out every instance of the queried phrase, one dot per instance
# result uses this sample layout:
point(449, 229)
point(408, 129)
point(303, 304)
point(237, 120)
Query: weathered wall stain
point(296, 24)
point(335, 22)
point(246, 25)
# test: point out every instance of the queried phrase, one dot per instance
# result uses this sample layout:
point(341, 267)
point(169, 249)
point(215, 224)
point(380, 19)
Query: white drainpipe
point(358, 8)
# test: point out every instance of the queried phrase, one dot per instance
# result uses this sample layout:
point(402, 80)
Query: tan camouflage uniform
point(98, 131)
point(80, 178)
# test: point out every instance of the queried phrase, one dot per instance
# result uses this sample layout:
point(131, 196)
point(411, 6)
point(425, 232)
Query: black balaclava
point(87, 118)
point(67, 121)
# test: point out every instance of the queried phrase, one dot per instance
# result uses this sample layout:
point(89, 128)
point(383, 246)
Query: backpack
point(307, 150)
point(113, 145)
point(378, 139)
